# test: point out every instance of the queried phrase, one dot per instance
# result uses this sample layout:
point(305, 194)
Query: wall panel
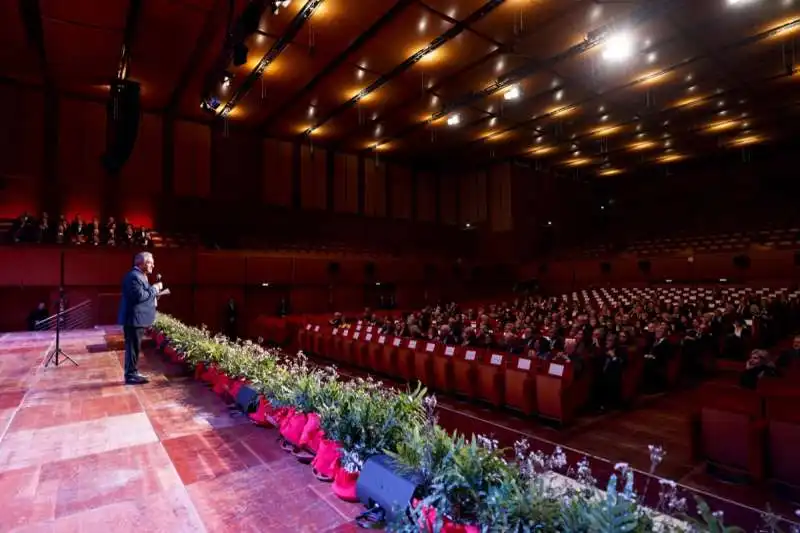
point(29, 267)
point(310, 271)
point(272, 270)
point(210, 306)
point(447, 199)
point(277, 172)
point(313, 178)
point(96, 267)
point(309, 300)
point(141, 175)
point(426, 197)
point(374, 188)
point(81, 143)
point(21, 150)
point(473, 197)
point(347, 298)
point(235, 166)
point(500, 198)
point(400, 183)
point(192, 159)
point(220, 269)
point(345, 183)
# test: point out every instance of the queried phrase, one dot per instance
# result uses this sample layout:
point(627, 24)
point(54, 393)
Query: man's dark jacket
point(138, 305)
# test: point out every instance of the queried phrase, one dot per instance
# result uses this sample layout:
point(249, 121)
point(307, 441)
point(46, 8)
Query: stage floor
point(81, 451)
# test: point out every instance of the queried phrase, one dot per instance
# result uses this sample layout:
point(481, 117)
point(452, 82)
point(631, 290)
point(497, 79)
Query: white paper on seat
point(358, 323)
point(430, 347)
point(335, 331)
point(346, 333)
point(450, 350)
point(356, 334)
point(368, 337)
point(358, 327)
point(369, 329)
point(470, 355)
point(397, 342)
point(308, 327)
point(412, 344)
point(748, 322)
point(382, 339)
point(556, 370)
point(523, 364)
point(496, 359)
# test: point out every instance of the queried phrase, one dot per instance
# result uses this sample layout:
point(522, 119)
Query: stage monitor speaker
point(605, 267)
point(379, 483)
point(122, 124)
point(247, 399)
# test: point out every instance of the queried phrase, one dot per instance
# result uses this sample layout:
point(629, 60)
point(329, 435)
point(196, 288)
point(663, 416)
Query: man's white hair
point(141, 257)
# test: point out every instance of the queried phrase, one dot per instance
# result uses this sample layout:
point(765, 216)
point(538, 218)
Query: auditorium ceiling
point(601, 85)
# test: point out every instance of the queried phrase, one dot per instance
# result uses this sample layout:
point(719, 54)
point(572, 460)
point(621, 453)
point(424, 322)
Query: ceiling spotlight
point(740, 2)
point(618, 47)
point(601, 109)
point(226, 80)
point(512, 94)
point(276, 5)
point(604, 118)
point(651, 57)
point(454, 120)
point(559, 95)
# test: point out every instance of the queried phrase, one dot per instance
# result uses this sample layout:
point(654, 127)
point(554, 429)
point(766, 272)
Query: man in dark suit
point(137, 311)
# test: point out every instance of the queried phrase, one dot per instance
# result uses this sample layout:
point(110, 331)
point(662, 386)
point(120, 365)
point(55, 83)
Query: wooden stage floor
point(80, 451)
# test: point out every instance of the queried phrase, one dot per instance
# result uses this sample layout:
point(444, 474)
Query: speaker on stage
point(122, 124)
point(380, 484)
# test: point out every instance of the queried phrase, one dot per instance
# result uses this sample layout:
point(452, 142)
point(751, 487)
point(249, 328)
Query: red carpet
point(80, 451)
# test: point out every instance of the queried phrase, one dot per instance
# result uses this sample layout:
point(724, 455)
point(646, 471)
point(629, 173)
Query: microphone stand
point(53, 356)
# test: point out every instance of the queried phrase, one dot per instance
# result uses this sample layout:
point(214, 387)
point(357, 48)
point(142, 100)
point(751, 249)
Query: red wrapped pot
point(276, 416)
point(234, 387)
point(159, 338)
point(221, 384)
point(259, 417)
point(312, 434)
point(344, 485)
point(292, 427)
point(199, 370)
point(448, 526)
point(211, 375)
point(326, 462)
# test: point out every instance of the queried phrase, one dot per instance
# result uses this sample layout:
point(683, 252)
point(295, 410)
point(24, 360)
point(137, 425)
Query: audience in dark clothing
point(26, 229)
point(758, 366)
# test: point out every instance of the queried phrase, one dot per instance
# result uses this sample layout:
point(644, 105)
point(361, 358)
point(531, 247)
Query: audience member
point(757, 367)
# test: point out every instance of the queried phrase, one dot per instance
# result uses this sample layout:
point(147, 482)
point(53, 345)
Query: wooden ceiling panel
point(160, 53)
point(516, 18)
point(81, 55)
point(412, 30)
point(107, 15)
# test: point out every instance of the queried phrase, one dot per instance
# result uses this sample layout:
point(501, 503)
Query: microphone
point(158, 277)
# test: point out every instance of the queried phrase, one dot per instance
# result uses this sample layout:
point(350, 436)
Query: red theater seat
point(729, 430)
point(375, 351)
point(783, 432)
point(559, 394)
point(465, 362)
point(423, 361)
point(490, 377)
point(405, 359)
point(443, 368)
point(520, 383)
point(345, 355)
point(358, 355)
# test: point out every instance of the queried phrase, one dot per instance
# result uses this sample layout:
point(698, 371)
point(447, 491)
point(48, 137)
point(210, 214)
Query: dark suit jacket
point(138, 305)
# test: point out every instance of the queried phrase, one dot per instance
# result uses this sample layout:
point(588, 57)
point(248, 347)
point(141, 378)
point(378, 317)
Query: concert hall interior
point(467, 254)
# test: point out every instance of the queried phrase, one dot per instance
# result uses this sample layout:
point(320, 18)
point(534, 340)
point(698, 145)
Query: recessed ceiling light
point(651, 57)
point(721, 103)
point(454, 120)
point(723, 113)
point(492, 121)
point(665, 123)
point(539, 139)
point(310, 111)
point(500, 65)
point(512, 94)
point(601, 109)
point(692, 88)
point(604, 118)
point(423, 24)
point(618, 47)
point(559, 95)
point(689, 77)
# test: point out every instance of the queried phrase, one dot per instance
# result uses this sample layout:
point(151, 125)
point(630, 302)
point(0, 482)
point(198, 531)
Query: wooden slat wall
point(313, 178)
point(500, 197)
point(473, 197)
point(192, 159)
point(426, 197)
point(345, 183)
point(447, 199)
point(400, 183)
point(21, 150)
point(81, 142)
point(277, 172)
point(374, 188)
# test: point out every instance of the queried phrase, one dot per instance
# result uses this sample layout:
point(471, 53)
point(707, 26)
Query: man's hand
point(158, 286)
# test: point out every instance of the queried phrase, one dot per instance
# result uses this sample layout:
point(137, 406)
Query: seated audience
point(792, 355)
point(757, 367)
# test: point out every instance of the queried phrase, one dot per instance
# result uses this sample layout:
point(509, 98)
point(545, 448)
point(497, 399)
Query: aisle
point(80, 451)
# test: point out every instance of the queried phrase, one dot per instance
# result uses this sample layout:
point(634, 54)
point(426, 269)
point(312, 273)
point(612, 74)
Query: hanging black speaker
point(122, 124)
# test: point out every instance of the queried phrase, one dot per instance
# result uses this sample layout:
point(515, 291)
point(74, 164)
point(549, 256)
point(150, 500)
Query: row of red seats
point(552, 390)
point(751, 434)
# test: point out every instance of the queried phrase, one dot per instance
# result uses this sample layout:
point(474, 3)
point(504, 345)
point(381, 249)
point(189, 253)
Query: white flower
point(621, 467)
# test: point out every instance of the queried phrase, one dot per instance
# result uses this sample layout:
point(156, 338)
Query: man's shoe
point(136, 380)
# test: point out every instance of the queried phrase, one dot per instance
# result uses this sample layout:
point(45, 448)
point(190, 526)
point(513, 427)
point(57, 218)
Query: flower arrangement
point(466, 484)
